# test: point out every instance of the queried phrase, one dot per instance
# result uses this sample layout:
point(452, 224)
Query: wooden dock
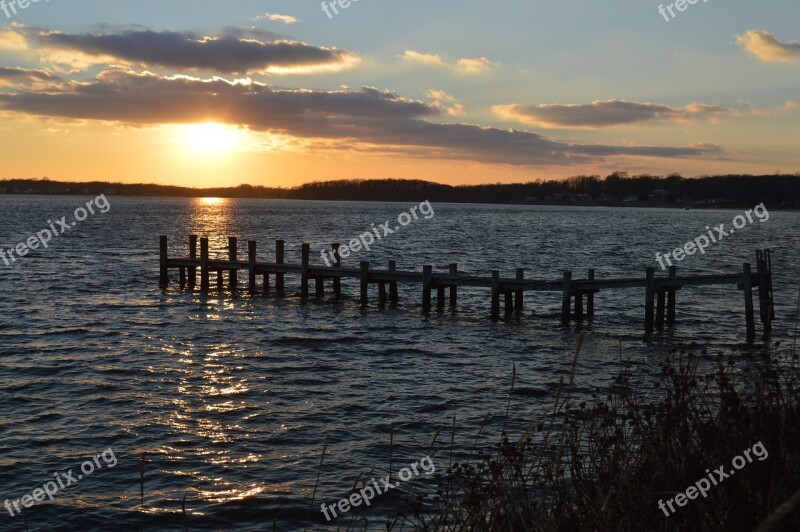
point(659, 292)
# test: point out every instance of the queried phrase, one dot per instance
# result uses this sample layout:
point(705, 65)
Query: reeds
point(605, 465)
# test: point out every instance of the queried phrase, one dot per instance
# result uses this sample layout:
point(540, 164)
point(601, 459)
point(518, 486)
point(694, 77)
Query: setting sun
point(211, 138)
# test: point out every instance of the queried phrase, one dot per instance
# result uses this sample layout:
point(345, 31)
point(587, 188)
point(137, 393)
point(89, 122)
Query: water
point(231, 398)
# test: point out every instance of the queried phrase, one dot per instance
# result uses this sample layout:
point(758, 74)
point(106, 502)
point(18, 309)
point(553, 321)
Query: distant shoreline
point(616, 190)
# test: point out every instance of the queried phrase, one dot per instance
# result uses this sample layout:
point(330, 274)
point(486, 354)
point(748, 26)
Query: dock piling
point(364, 283)
point(337, 263)
point(306, 260)
point(427, 281)
point(192, 255)
point(204, 273)
point(233, 251)
point(590, 297)
point(279, 258)
point(251, 266)
point(518, 303)
point(453, 270)
point(163, 262)
point(495, 294)
point(649, 299)
point(748, 302)
point(673, 274)
point(565, 297)
point(394, 297)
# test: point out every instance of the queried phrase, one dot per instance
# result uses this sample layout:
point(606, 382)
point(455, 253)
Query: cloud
point(441, 99)
point(27, 78)
point(604, 114)
point(366, 119)
point(234, 51)
point(466, 65)
point(274, 17)
point(767, 48)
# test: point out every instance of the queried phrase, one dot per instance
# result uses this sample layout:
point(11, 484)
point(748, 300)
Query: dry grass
point(605, 465)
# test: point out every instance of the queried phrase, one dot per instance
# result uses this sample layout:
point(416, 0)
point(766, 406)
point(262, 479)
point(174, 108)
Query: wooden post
point(764, 289)
point(220, 283)
point(364, 283)
point(279, 251)
point(306, 258)
point(233, 273)
point(266, 284)
point(579, 306)
point(251, 270)
point(427, 278)
point(393, 295)
point(590, 297)
point(565, 297)
point(508, 296)
point(673, 274)
point(495, 294)
point(204, 281)
point(440, 297)
point(192, 255)
point(649, 300)
point(382, 293)
point(182, 277)
point(453, 288)
point(748, 302)
point(319, 287)
point(518, 303)
point(163, 262)
point(337, 263)
point(660, 307)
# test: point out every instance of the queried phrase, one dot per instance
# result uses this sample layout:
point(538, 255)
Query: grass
point(605, 464)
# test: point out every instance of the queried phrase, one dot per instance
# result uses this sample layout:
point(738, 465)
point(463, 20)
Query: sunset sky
point(277, 93)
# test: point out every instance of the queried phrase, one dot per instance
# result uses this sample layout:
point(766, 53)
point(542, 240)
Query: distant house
point(608, 197)
point(663, 194)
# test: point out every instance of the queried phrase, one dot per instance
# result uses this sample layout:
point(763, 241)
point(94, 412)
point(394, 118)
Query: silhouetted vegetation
point(605, 464)
point(617, 188)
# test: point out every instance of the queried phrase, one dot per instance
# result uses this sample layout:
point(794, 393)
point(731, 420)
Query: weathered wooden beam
point(251, 272)
point(590, 297)
point(649, 299)
point(337, 263)
point(233, 250)
point(748, 303)
point(279, 258)
point(306, 260)
point(394, 297)
point(495, 294)
point(453, 270)
point(204, 281)
point(192, 255)
point(364, 283)
point(163, 262)
point(566, 288)
point(519, 294)
point(673, 274)
point(427, 281)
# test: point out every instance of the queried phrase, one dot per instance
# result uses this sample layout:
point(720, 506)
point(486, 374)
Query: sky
point(283, 92)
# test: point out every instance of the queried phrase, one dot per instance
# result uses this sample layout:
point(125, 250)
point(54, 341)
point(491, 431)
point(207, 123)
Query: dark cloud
point(604, 113)
point(234, 51)
point(367, 118)
point(23, 76)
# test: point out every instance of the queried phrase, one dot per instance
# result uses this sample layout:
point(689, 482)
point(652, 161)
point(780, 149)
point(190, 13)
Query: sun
point(211, 138)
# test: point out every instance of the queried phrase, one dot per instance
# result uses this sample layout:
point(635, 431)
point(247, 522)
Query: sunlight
point(211, 138)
